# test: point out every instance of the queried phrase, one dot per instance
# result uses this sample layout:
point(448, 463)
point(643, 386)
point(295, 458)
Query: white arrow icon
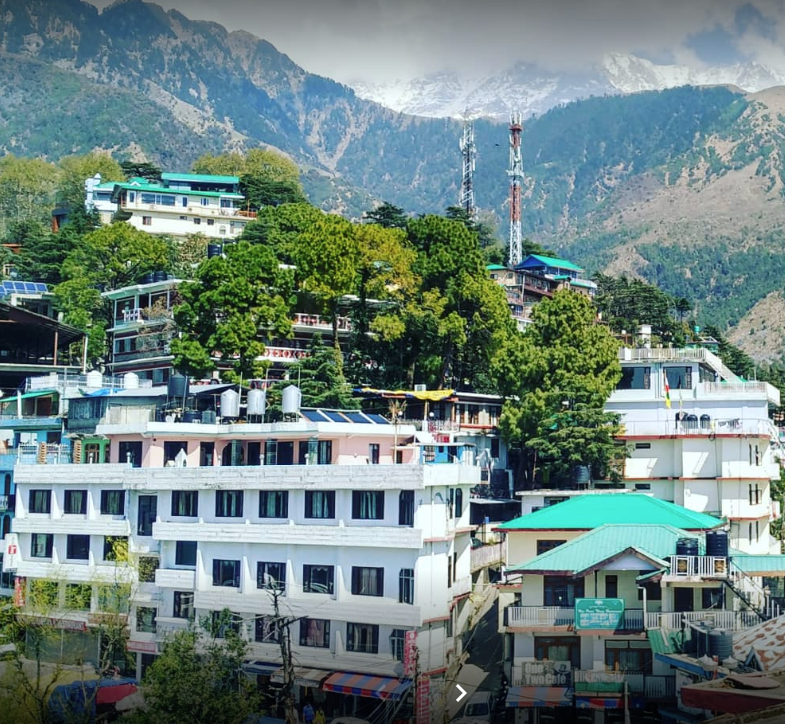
point(462, 690)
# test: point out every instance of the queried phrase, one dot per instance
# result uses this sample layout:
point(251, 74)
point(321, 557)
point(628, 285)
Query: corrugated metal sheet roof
point(200, 178)
point(608, 541)
point(774, 565)
point(584, 512)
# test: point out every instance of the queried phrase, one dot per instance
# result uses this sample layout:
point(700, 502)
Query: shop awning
point(312, 678)
point(261, 668)
point(520, 696)
point(378, 687)
point(599, 703)
point(112, 693)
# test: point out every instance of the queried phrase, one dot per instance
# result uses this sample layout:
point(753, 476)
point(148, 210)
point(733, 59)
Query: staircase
point(751, 593)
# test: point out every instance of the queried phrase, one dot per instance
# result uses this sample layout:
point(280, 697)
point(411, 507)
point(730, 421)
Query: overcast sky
point(378, 40)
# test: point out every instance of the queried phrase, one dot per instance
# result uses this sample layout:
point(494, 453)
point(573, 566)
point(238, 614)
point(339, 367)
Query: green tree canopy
point(387, 215)
point(141, 169)
point(557, 377)
point(27, 188)
point(279, 228)
point(74, 170)
point(235, 303)
point(42, 254)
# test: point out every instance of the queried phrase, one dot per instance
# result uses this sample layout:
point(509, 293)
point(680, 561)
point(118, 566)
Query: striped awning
point(519, 696)
point(586, 702)
point(378, 687)
point(311, 678)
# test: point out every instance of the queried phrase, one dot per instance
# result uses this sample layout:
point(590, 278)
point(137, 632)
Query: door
point(683, 599)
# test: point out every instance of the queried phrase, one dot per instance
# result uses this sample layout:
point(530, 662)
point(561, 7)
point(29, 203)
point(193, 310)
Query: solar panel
point(378, 419)
point(335, 416)
point(357, 417)
point(14, 287)
point(313, 415)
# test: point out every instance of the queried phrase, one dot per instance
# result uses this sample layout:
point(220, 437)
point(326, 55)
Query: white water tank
point(131, 381)
point(230, 404)
point(291, 398)
point(95, 379)
point(257, 402)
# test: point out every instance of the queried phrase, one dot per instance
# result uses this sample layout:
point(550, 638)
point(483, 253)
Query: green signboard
point(598, 613)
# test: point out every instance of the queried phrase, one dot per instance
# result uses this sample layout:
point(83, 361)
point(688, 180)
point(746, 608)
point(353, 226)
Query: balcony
point(546, 617)
point(686, 567)
point(63, 381)
point(7, 503)
point(653, 688)
point(461, 586)
point(180, 578)
point(671, 428)
point(732, 620)
point(485, 556)
point(43, 454)
point(284, 355)
point(315, 321)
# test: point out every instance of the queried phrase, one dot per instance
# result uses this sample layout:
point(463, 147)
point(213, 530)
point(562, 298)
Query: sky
point(379, 41)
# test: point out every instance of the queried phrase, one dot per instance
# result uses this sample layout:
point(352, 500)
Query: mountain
point(683, 187)
point(533, 90)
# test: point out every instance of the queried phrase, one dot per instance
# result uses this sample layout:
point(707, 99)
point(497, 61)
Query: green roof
point(200, 178)
point(583, 512)
point(495, 267)
point(774, 564)
point(591, 549)
point(145, 186)
point(555, 261)
point(664, 642)
point(583, 283)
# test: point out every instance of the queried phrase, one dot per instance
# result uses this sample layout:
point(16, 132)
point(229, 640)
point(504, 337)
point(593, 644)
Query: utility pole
point(515, 172)
point(282, 626)
point(468, 155)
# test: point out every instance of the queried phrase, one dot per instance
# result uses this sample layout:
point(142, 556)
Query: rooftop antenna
point(515, 172)
point(468, 154)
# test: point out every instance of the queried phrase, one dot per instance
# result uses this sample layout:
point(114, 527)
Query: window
point(112, 600)
point(755, 494)
point(185, 503)
point(451, 503)
point(148, 511)
point(210, 222)
point(265, 630)
point(325, 452)
point(362, 637)
point(197, 220)
point(145, 619)
point(274, 504)
point(558, 648)
point(397, 643)
point(367, 504)
point(449, 570)
point(679, 378)
point(315, 632)
point(406, 508)
point(319, 503)
point(40, 501)
point(754, 532)
point(643, 446)
point(712, 597)
point(205, 201)
point(611, 586)
point(78, 547)
point(162, 199)
point(226, 573)
point(130, 452)
point(561, 591)
point(147, 221)
point(229, 504)
point(632, 656)
point(174, 449)
point(206, 454)
point(553, 500)
point(78, 596)
point(543, 546)
point(373, 453)
point(642, 486)
point(271, 576)
point(458, 502)
point(183, 604)
point(112, 502)
point(185, 553)
point(367, 581)
point(635, 378)
point(224, 622)
point(755, 456)
point(115, 548)
point(653, 590)
point(75, 502)
point(318, 579)
point(147, 567)
point(406, 585)
point(41, 545)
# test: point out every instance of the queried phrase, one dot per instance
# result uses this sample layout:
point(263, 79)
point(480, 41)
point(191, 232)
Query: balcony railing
point(462, 586)
point(733, 426)
point(490, 555)
point(650, 686)
point(44, 454)
point(59, 381)
point(285, 354)
point(550, 616)
point(733, 620)
point(698, 567)
point(315, 320)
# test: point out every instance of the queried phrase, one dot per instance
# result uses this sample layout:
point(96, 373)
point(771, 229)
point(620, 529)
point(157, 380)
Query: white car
point(478, 709)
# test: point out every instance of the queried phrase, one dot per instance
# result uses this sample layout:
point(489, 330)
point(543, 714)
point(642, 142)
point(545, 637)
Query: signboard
point(19, 591)
point(145, 647)
point(409, 653)
point(423, 701)
point(599, 613)
point(11, 552)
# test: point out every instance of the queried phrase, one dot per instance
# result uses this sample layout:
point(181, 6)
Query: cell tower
point(515, 172)
point(468, 153)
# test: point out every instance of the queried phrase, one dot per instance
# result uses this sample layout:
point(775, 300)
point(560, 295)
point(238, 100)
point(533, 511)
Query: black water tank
point(192, 416)
point(208, 417)
point(159, 276)
point(705, 421)
point(690, 643)
point(581, 476)
point(717, 543)
point(687, 547)
point(721, 643)
point(701, 634)
point(691, 422)
point(148, 278)
point(213, 250)
point(177, 385)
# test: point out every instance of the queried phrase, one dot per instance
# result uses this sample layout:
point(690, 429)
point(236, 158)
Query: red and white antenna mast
point(515, 172)
point(468, 154)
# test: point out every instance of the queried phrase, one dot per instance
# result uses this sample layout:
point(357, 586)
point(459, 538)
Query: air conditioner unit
point(420, 388)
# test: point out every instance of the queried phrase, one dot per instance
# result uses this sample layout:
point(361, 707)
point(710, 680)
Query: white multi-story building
point(179, 205)
point(222, 516)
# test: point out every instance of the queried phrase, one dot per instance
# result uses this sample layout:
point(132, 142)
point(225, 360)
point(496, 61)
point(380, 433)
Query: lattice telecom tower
point(469, 153)
point(515, 172)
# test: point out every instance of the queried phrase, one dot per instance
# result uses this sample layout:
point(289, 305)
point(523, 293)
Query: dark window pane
point(367, 581)
point(274, 504)
point(367, 504)
point(226, 573)
point(185, 553)
point(318, 579)
point(40, 501)
point(185, 503)
point(229, 504)
point(148, 511)
point(319, 503)
point(315, 632)
point(112, 502)
point(75, 502)
point(78, 547)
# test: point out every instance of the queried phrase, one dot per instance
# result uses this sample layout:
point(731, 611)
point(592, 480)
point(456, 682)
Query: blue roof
point(537, 260)
point(200, 178)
